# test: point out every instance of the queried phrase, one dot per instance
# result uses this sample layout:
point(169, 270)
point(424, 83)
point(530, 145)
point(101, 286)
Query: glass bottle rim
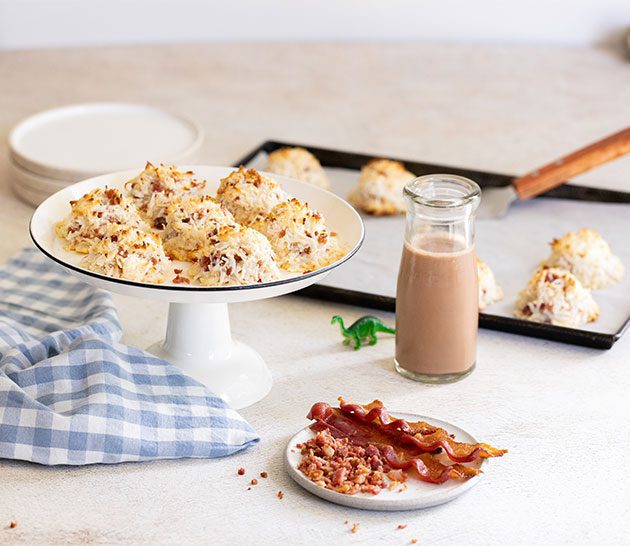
point(470, 191)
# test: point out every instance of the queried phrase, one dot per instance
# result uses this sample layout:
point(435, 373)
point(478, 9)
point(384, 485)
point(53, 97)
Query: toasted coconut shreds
point(489, 291)
point(297, 163)
point(128, 253)
point(247, 194)
point(92, 217)
point(588, 256)
point(380, 188)
point(156, 187)
point(556, 296)
point(189, 223)
point(299, 237)
point(336, 464)
point(236, 255)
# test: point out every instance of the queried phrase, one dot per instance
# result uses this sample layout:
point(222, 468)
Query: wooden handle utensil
point(559, 171)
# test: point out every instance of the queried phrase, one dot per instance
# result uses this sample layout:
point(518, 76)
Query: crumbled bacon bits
point(414, 541)
point(335, 464)
point(178, 279)
point(13, 525)
point(355, 528)
point(254, 481)
point(241, 471)
point(401, 526)
point(264, 475)
point(280, 495)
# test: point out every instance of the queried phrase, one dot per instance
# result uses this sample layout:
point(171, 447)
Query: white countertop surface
point(562, 411)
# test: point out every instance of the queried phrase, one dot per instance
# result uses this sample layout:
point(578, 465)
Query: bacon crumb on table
point(414, 540)
point(241, 471)
point(336, 464)
point(249, 488)
point(355, 528)
point(401, 526)
point(280, 495)
point(264, 475)
point(254, 481)
point(13, 525)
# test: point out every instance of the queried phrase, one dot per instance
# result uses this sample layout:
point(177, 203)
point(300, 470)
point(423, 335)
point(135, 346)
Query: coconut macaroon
point(236, 255)
point(556, 296)
point(156, 187)
point(298, 163)
point(247, 194)
point(189, 223)
point(380, 188)
point(299, 237)
point(93, 214)
point(128, 253)
point(588, 256)
point(489, 291)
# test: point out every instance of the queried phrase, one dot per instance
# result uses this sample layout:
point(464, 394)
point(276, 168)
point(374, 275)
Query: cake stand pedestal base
point(198, 340)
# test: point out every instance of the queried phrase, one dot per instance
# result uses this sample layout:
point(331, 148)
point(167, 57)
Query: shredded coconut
point(235, 255)
point(299, 237)
point(128, 253)
point(298, 163)
point(93, 214)
point(588, 256)
point(247, 194)
point(156, 187)
point(556, 296)
point(380, 188)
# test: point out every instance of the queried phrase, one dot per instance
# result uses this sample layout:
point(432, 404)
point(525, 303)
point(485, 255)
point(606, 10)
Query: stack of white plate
point(55, 148)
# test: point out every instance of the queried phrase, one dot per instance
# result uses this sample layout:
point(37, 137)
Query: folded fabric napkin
point(71, 394)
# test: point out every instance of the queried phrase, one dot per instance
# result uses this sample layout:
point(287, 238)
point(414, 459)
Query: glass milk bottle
point(437, 292)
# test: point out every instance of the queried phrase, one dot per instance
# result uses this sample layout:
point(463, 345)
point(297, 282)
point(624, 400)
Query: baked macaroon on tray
point(553, 268)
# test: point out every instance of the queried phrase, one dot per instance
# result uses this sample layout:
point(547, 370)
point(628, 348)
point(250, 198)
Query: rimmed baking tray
point(512, 246)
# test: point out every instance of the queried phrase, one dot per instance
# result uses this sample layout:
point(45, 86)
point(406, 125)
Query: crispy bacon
point(425, 437)
point(397, 454)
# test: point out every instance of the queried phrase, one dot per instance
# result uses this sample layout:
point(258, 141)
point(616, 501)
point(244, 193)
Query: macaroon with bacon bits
point(128, 253)
point(155, 188)
point(298, 163)
point(189, 223)
point(379, 190)
point(235, 255)
point(93, 215)
point(299, 237)
point(247, 194)
point(556, 296)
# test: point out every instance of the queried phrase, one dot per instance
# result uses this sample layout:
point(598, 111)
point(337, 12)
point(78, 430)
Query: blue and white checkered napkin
point(71, 394)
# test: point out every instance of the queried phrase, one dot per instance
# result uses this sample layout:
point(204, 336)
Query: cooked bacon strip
point(426, 465)
point(425, 437)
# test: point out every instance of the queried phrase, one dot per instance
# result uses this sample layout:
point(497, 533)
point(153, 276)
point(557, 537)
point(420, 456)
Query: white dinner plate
point(83, 140)
point(340, 218)
point(30, 196)
point(418, 494)
point(37, 181)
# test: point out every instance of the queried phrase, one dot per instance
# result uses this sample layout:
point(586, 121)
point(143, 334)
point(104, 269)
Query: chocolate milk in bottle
point(437, 294)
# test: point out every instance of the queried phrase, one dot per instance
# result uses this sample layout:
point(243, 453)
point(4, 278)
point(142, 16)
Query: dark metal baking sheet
point(354, 161)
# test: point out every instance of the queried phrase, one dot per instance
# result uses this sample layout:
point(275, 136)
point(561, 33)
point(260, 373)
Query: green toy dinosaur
point(361, 330)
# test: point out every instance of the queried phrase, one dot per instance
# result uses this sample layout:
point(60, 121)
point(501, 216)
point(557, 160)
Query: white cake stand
point(198, 337)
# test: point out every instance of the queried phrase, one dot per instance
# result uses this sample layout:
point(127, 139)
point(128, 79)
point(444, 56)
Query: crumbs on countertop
point(241, 471)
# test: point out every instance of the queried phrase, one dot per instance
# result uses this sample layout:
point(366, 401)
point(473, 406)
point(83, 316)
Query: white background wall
point(54, 23)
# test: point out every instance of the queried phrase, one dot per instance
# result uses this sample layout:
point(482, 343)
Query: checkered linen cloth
point(71, 394)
